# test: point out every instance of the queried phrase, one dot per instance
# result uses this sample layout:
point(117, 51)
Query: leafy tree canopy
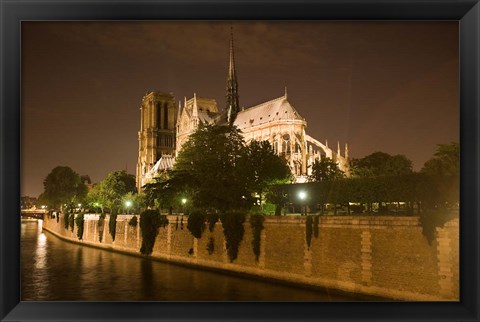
point(443, 173)
point(446, 161)
point(166, 191)
point(208, 167)
point(63, 186)
point(381, 164)
point(325, 170)
point(110, 192)
point(261, 166)
point(216, 171)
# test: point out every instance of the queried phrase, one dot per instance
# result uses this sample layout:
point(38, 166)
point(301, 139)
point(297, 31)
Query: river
point(52, 269)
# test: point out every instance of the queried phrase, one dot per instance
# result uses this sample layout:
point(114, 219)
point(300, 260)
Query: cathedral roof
point(204, 108)
point(164, 163)
point(274, 110)
point(206, 116)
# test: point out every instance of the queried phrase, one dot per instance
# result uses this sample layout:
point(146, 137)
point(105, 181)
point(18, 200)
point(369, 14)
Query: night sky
point(378, 86)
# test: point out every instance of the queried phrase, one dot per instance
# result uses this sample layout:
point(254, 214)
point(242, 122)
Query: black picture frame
point(467, 12)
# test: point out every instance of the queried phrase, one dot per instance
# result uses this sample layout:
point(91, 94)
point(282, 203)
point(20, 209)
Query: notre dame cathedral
point(165, 127)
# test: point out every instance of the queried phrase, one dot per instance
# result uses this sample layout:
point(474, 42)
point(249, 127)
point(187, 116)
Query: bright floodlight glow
point(128, 203)
point(79, 205)
point(184, 200)
point(302, 195)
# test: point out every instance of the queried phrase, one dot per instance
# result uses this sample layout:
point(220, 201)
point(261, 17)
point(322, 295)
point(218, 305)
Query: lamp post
point(184, 201)
point(302, 195)
point(128, 203)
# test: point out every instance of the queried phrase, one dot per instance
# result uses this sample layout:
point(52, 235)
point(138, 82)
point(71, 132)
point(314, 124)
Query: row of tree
point(217, 172)
point(64, 190)
point(380, 178)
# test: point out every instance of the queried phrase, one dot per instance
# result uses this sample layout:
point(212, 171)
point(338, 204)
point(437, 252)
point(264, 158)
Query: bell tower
point(157, 132)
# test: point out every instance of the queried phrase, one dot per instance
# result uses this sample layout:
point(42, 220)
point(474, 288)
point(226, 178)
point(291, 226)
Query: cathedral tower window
point(165, 116)
point(158, 114)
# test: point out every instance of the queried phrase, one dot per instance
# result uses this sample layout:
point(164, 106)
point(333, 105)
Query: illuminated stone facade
point(275, 121)
point(164, 129)
point(156, 137)
point(195, 111)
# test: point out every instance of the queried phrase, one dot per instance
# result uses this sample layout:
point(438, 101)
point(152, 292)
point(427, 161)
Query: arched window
point(157, 114)
point(165, 116)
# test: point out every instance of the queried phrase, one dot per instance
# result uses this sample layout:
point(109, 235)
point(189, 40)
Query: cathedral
point(165, 127)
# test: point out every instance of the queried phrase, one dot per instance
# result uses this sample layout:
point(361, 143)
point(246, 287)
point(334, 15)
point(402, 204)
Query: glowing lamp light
point(302, 195)
point(184, 200)
point(128, 203)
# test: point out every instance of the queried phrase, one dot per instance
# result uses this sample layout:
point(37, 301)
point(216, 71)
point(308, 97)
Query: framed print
point(239, 160)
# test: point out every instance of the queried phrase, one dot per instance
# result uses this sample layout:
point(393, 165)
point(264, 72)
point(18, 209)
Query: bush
point(316, 221)
point(133, 221)
point(233, 231)
point(71, 221)
point(212, 219)
point(431, 220)
point(256, 222)
point(308, 230)
point(112, 226)
point(196, 223)
point(150, 223)
point(65, 222)
point(79, 221)
point(100, 224)
point(211, 246)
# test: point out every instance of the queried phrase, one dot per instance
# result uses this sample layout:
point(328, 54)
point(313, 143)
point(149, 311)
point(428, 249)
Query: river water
point(52, 269)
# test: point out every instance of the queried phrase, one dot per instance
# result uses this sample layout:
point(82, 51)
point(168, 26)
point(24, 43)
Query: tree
point(277, 194)
point(95, 199)
point(110, 191)
point(166, 191)
point(63, 186)
point(208, 168)
point(325, 170)
point(380, 164)
point(443, 176)
point(446, 161)
point(261, 167)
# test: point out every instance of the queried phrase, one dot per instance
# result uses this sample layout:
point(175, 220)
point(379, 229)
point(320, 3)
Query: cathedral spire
point(179, 110)
point(233, 107)
point(195, 107)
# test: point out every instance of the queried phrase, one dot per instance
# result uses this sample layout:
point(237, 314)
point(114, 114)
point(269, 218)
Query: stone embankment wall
point(380, 256)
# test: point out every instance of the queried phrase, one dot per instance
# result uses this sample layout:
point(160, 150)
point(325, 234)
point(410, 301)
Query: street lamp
point(302, 195)
point(184, 201)
point(128, 203)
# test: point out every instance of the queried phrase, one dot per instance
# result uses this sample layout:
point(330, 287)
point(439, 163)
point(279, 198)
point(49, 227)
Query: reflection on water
point(56, 270)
